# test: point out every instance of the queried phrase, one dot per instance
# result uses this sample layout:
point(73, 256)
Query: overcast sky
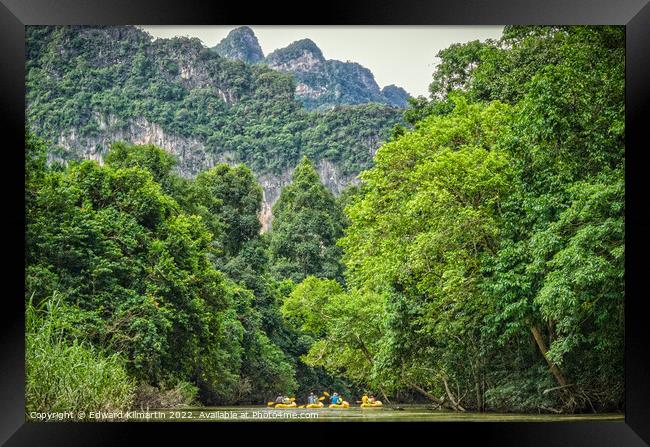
point(400, 55)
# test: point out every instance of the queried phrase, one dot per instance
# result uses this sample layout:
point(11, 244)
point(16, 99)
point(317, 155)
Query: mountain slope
point(395, 96)
point(90, 86)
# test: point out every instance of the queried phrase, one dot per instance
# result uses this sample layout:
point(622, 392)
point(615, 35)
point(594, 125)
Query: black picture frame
point(634, 14)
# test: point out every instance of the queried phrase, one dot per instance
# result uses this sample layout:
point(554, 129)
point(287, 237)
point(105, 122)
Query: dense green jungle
point(477, 265)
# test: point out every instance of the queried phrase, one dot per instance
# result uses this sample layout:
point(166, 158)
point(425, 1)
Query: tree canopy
point(478, 265)
point(489, 239)
point(307, 223)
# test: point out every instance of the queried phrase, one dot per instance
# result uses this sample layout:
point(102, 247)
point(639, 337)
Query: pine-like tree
point(307, 222)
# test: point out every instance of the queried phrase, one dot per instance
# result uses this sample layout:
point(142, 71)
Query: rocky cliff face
point(395, 96)
point(323, 84)
point(190, 153)
point(88, 87)
point(300, 57)
point(320, 83)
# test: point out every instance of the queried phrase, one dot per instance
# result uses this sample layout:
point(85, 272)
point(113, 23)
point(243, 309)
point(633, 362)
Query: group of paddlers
point(368, 400)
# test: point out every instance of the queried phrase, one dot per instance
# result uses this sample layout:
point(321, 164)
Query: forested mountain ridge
point(321, 83)
point(90, 86)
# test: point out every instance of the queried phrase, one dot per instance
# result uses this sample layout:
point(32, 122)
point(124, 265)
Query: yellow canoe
point(343, 404)
point(377, 404)
point(316, 405)
point(291, 405)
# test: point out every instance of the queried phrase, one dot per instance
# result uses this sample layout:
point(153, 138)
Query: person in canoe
point(280, 399)
point(370, 402)
point(338, 401)
point(314, 401)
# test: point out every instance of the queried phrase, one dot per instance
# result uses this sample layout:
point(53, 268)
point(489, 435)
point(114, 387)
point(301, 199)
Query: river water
point(356, 414)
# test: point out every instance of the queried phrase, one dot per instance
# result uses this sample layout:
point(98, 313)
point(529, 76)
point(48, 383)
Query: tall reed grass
point(65, 374)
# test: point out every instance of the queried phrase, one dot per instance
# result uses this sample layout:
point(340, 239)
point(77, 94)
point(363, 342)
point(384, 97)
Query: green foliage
point(347, 135)
point(306, 303)
point(561, 267)
point(266, 370)
point(455, 71)
point(431, 204)
point(353, 326)
point(158, 162)
point(483, 252)
point(307, 222)
point(428, 184)
point(35, 171)
point(98, 82)
point(488, 223)
point(137, 272)
point(229, 199)
point(65, 374)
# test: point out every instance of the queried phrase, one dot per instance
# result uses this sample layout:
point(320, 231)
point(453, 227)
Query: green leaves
point(137, 270)
point(434, 190)
point(307, 222)
point(487, 220)
point(306, 304)
point(483, 251)
point(584, 282)
point(229, 200)
point(95, 83)
point(348, 326)
point(559, 262)
point(158, 162)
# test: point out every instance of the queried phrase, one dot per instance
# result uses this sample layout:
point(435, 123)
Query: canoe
point(316, 405)
point(343, 404)
point(291, 405)
point(377, 404)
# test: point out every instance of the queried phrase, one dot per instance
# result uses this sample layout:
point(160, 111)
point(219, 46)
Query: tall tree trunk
point(557, 372)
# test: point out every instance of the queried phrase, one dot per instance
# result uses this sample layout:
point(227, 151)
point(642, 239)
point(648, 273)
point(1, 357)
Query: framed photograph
point(411, 216)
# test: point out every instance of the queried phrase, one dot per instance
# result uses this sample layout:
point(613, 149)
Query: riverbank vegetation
point(478, 266)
